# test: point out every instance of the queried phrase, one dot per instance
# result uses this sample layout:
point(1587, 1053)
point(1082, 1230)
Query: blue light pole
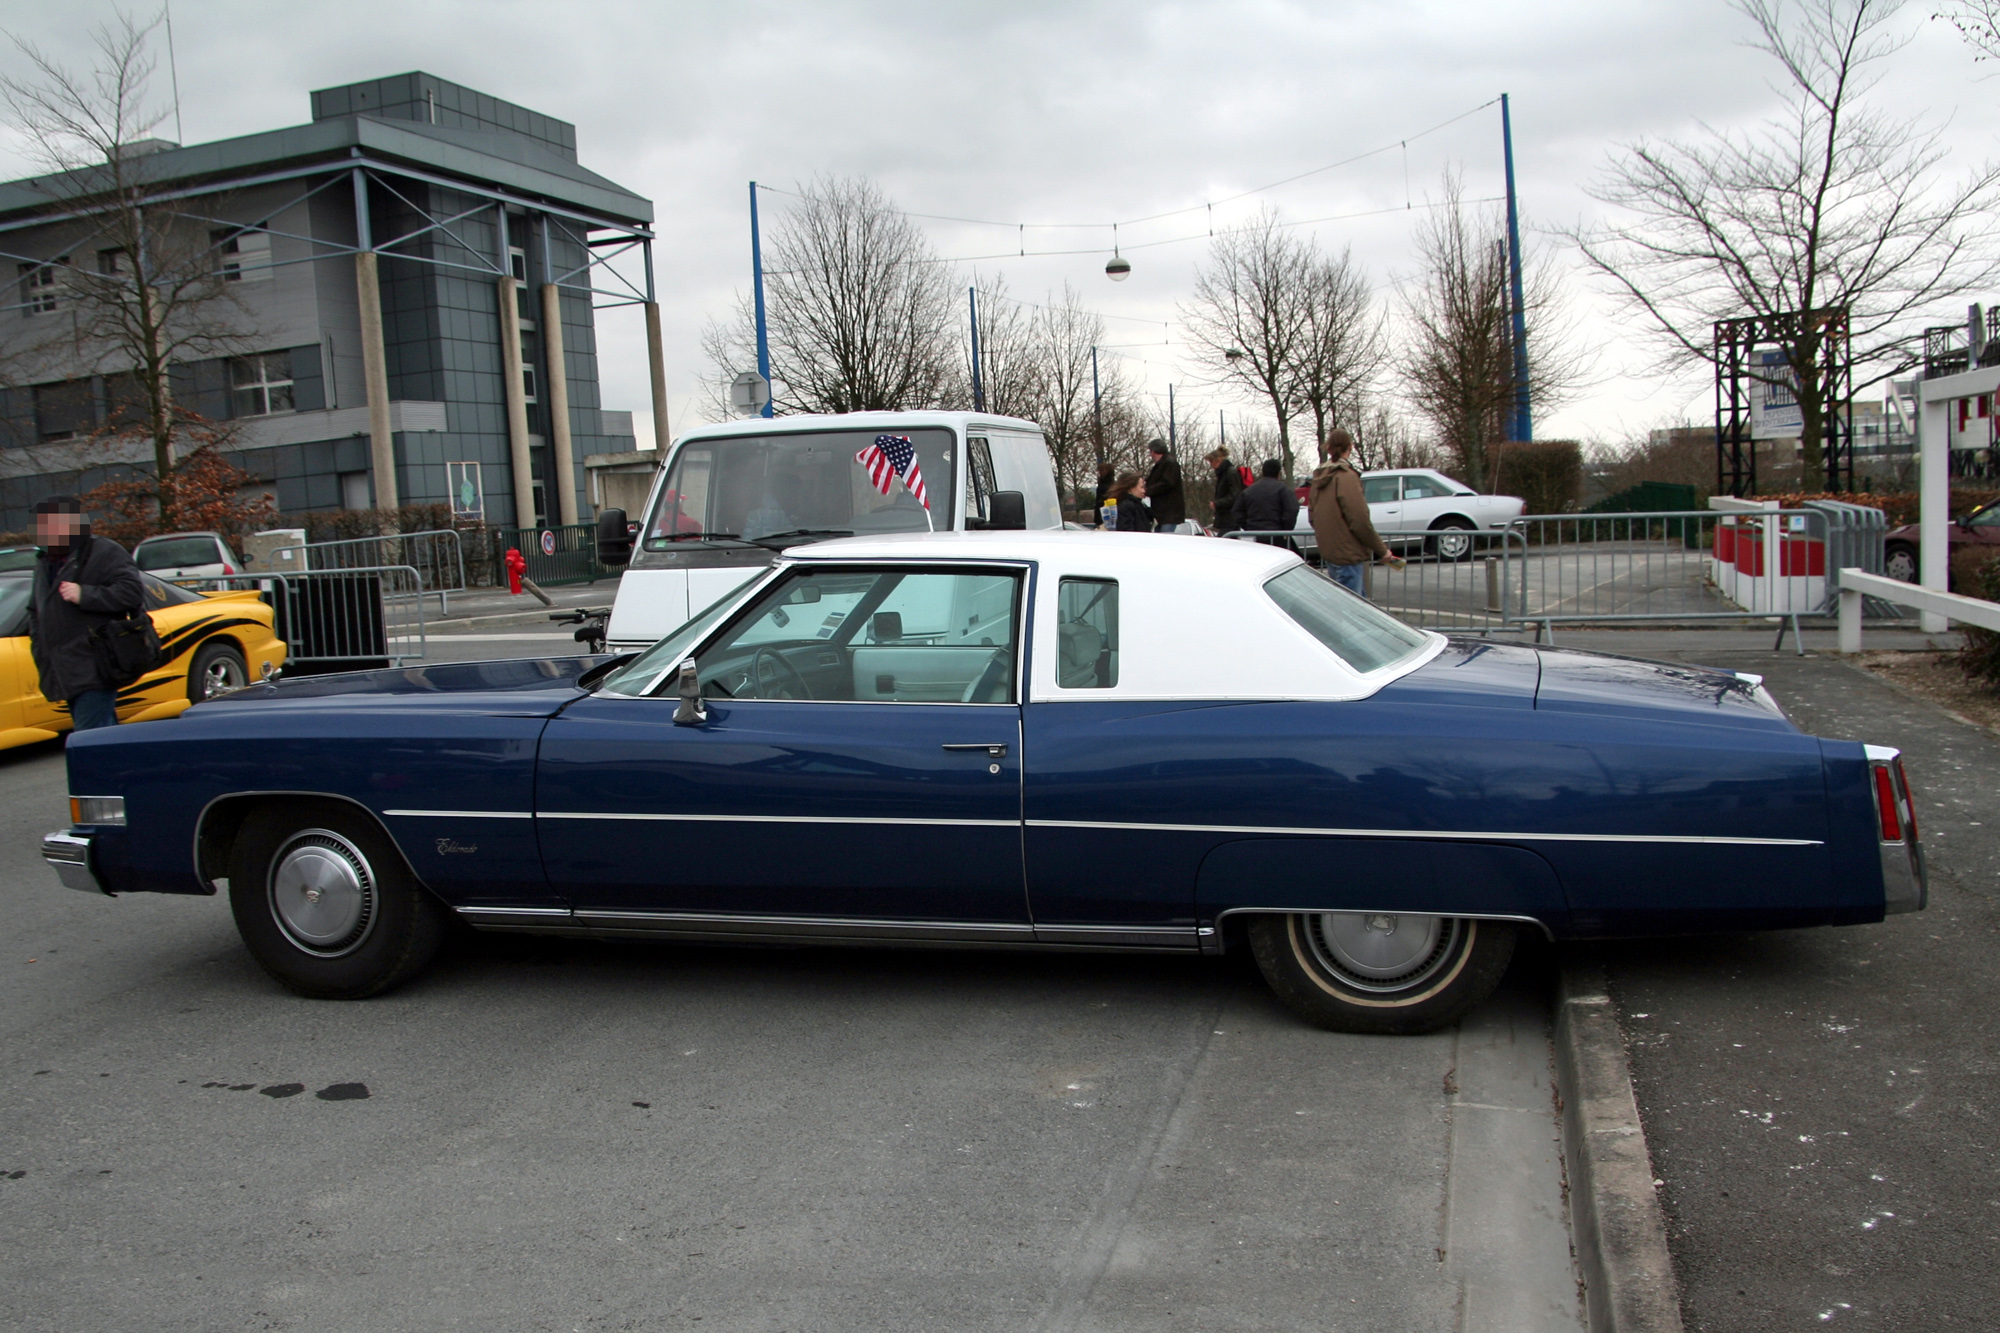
point(763, 334)
point(978, 392)
point(1524, 421)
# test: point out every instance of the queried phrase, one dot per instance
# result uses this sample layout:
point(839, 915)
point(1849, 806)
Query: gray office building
point(413, 278)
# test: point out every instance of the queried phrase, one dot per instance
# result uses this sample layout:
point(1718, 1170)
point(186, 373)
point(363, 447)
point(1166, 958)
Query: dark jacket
point(1228, 485)
point(1268, 505)
point(59, 633)
point(1133, 516)
point(1341, 525)
point(1163, 491)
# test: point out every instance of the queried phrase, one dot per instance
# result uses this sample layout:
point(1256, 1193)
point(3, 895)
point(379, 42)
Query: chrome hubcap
point(323, 893)
point(221, 677)
point(1454, 545)
point(1902, 566)
point(1380, 951)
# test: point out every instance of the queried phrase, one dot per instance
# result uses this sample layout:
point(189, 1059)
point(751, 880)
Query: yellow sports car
point(215, 642)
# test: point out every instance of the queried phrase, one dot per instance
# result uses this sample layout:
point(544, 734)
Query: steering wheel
point(780, 667)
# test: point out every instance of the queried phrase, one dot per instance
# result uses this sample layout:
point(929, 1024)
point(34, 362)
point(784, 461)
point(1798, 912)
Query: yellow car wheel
point(218, 668)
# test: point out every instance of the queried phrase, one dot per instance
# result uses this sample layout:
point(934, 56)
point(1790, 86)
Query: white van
point(732, 496)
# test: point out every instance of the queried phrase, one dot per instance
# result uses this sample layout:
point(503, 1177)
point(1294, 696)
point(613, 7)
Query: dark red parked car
point(1980, 527)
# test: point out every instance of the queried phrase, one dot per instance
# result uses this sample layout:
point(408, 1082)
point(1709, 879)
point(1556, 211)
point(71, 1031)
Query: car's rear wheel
point(1380, 972)
point(324, 903)
point(1899, 561)
point(1454, 540)
point(218, 668)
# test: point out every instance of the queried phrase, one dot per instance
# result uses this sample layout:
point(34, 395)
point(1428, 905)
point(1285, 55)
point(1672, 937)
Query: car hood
point(1604, 683)
point(538, 685)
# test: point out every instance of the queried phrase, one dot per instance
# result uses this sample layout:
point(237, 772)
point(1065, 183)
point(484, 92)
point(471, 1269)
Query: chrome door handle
point(995, 751)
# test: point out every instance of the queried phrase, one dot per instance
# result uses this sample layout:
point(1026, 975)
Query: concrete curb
point(1621, 1235)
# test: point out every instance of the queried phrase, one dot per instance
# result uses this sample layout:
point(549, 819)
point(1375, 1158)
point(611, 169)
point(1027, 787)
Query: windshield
point(752, 486)
point(1361, 635)
point(638, 676)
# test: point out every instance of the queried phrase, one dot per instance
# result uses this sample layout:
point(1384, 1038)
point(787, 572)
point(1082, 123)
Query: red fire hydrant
point(517, 565)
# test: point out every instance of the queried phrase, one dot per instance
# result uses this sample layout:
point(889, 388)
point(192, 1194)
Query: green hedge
point(1548, 474)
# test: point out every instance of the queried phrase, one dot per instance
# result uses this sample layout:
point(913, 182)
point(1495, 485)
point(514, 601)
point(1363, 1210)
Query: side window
point(1423, 488)
point(1379, 490)
point(979, 483)
point(1021, 463)
point(1087, 634)
point(872, 636)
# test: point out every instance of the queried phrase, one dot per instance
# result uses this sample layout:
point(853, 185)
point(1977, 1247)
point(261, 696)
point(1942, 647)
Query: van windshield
point(745, 487)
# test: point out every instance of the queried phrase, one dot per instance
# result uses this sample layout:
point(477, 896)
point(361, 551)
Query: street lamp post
point(978, 391)
point(763, 334)
point(1096, 410)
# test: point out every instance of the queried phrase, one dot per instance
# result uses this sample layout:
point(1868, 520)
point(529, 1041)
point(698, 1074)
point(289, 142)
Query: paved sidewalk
point(1822, 1105)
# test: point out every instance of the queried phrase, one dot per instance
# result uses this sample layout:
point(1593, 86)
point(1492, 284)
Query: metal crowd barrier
point(1465, 595)
point(339, 619)
point(555, 556)
point(437, 557)
point(1669, 567)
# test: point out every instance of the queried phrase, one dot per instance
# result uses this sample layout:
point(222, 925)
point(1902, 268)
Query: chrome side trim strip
point(780, 819)
point(795, 926)
point(1536, 922)
point(1458, 834)
point(563, 912)
point(1131, 937)
point(466, 814)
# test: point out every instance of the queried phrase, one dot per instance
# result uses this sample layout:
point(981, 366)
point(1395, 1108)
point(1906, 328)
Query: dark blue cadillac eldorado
point(1010, 739)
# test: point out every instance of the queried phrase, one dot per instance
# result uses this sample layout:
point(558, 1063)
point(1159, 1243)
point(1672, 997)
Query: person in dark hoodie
point(1228, 485)
point(1267, 505)
point(81, 582)
point(1163, 488)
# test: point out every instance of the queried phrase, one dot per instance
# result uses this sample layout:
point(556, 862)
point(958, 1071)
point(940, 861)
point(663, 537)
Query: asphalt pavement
point(1821, 1104)
point(573, 1135)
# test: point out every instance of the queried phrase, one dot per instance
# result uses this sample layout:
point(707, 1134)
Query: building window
point(245, 255)
point(65, 411)
point(261, 385)
point(41, 285)
point(114, 263)
point(527, 368)
point(355, 491)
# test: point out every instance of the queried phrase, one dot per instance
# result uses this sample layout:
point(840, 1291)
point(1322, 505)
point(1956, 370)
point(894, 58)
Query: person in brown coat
point(1340, 523)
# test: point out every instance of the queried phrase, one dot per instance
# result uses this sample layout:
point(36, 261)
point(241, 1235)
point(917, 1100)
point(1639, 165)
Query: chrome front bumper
point(69, 855)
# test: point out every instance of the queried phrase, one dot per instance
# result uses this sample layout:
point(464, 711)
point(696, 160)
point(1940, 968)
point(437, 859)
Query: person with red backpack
point(1230, 482)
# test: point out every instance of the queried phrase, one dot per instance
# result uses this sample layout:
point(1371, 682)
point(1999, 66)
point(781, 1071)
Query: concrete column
point(375, 375)
point(558, 401)
point(656, 358)
point(1934, 500)
point(517, 403)
point(1850, 620)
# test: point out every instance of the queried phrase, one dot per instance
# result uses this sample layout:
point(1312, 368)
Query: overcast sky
point(1047, 111)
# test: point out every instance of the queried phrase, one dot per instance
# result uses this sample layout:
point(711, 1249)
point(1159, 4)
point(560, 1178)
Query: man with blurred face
point(81, 582)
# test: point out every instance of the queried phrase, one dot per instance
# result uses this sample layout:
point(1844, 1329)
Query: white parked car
point(187, 555)
point(1418, 504)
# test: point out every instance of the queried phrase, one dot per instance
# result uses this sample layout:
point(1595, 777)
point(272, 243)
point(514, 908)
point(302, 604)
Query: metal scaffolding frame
point(1736, 379)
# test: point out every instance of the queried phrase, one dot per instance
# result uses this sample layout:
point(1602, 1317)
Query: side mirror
point(614, 539)
point(692, 711)
point(1007, 511)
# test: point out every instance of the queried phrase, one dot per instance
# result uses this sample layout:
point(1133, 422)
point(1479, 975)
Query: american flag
point(894, 456)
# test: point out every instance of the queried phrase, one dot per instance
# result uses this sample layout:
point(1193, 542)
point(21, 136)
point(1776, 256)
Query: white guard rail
point(1857, 584)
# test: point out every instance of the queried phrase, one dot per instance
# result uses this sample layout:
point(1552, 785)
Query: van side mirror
point(1007, 511)
point(614, 542)
point(692, 712)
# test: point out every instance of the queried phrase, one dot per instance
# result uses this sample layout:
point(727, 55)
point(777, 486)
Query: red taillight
point(1885, 804)
point(226, 568)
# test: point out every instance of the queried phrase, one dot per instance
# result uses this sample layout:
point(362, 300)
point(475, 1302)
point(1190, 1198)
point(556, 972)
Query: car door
point(1384, 498)
point(857, 769)
point(1425, 501)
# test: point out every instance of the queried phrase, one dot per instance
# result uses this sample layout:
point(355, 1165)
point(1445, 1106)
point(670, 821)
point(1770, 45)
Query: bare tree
point(1011, 358)
point(1384, 436)
point(1247, 316)
point(1340, 349)
point(1829, 204)
point(861, 314)
point(1458, 355)
point(1978, 22)
point(1062, 400)
point(157, 293)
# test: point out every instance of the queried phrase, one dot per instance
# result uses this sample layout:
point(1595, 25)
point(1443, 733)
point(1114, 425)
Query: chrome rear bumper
point(69, 855)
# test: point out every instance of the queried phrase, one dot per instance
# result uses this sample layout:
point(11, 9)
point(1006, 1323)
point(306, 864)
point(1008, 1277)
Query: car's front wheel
point(218, 669)
point(1899, 562)
point(325, 904)
point(1380, 972)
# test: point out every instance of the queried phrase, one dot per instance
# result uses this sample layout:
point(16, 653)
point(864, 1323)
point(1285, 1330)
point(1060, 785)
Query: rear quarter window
point(1354, 630)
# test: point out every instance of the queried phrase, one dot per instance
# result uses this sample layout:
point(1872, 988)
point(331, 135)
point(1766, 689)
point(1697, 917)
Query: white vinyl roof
point(887, 421)
point(1194, 619)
